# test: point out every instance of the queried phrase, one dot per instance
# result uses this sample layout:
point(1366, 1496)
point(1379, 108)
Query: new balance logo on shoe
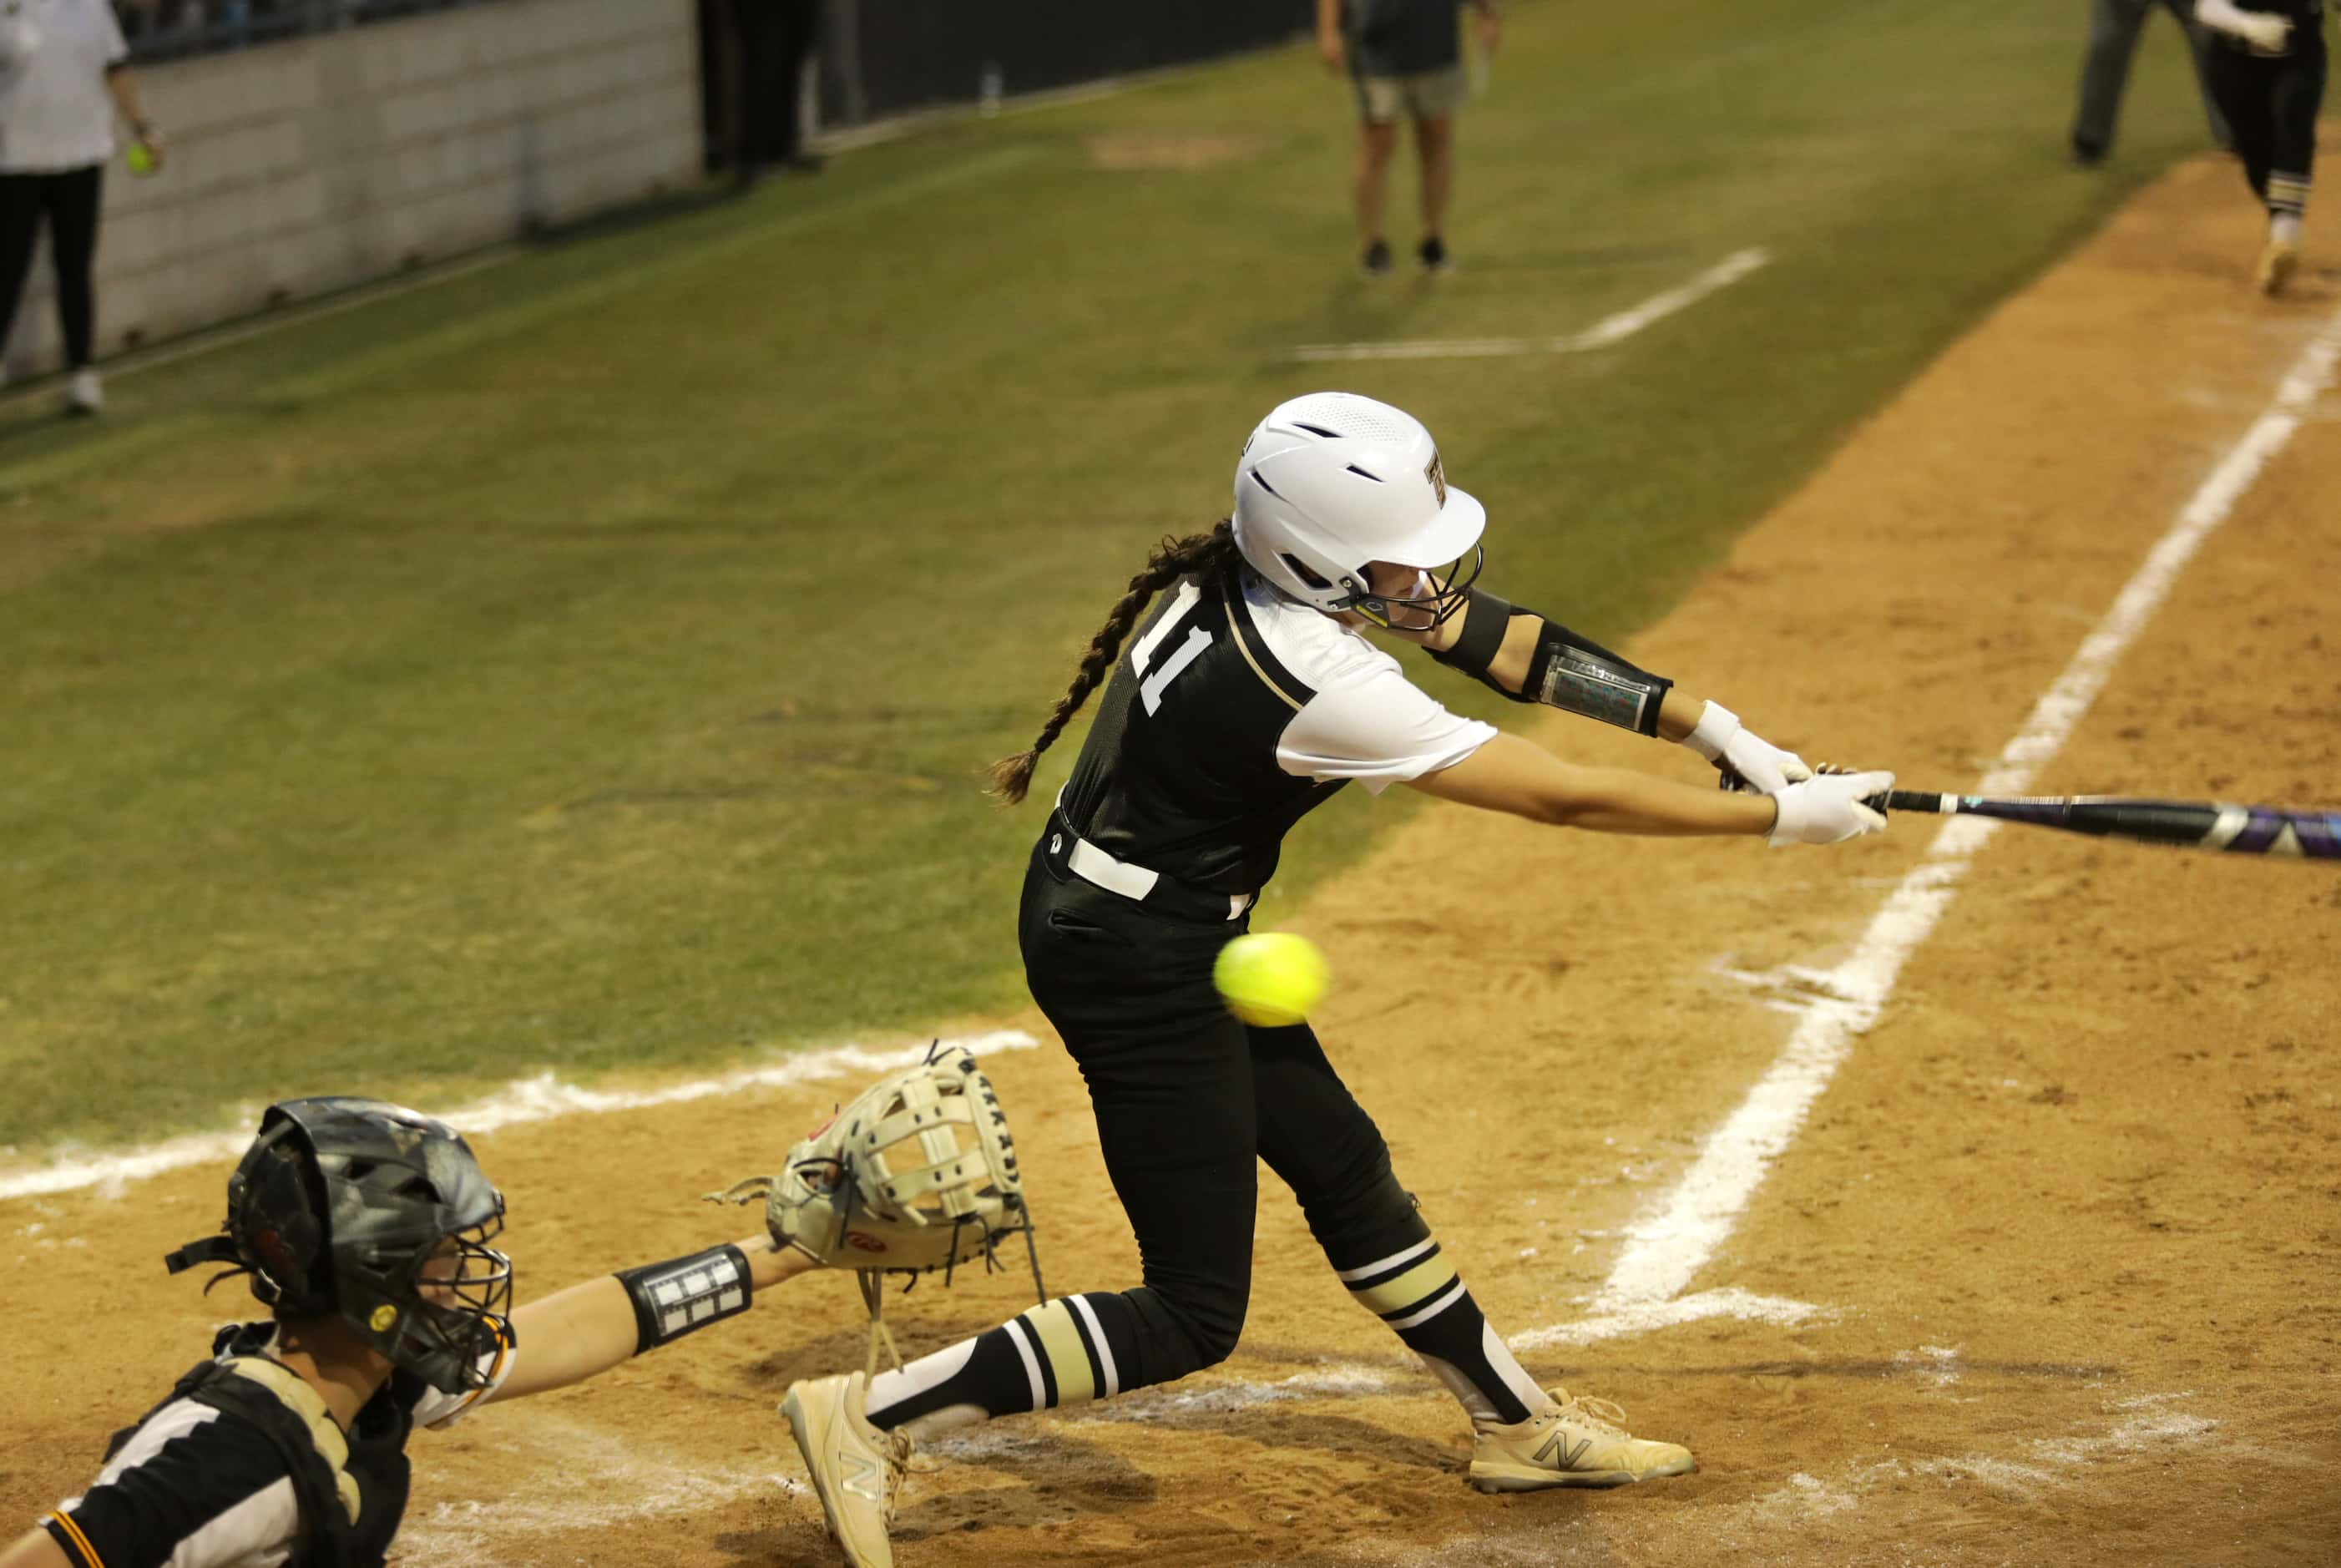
point(861, 1477)
point(1568, 1461)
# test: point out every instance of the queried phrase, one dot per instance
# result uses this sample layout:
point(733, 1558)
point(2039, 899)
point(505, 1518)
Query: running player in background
point(1404, 57)
point(2266, 69)
point(1246, 701)
point(365, 1229)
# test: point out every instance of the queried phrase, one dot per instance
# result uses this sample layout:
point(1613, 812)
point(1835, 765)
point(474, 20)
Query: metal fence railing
point(170, 29)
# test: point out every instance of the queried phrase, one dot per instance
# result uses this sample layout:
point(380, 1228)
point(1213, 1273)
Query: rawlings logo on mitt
point(916, 1173)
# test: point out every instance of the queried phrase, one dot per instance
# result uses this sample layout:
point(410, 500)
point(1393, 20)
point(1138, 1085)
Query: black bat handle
point(1906, 800)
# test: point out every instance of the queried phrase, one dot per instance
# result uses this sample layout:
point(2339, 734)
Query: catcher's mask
point(378, 1215)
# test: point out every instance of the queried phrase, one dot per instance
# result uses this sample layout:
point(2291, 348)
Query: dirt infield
point(2064, 1228)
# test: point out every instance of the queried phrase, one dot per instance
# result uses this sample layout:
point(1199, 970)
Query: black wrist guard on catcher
point(1574, 674)
point(684, 1295)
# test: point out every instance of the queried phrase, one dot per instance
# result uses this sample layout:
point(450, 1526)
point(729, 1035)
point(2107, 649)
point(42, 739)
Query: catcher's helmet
point(376, 1214)
point(1333, 481)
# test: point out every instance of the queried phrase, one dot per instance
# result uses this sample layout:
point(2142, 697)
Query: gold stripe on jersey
point(1231, 596)
point(1413, 1288)
point(1060, 1343)
point(89, 1557)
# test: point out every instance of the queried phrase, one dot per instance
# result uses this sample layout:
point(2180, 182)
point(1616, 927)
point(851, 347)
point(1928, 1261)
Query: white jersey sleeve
point(1366, 721)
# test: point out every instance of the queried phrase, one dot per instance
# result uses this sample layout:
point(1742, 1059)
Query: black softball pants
point(70, 203)
point(1189, 1100)
point(2271, 105)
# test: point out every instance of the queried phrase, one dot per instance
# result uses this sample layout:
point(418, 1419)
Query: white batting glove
point(2267, 33)
point(1828, 809)
point(1723, 740)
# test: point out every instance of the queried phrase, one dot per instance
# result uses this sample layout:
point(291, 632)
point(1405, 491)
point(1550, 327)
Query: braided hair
point(1172, 559)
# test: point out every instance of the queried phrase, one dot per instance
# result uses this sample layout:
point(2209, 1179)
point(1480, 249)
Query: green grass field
point(588, 663)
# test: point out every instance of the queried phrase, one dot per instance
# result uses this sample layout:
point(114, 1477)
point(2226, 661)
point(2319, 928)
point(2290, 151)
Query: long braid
point(1172, 559)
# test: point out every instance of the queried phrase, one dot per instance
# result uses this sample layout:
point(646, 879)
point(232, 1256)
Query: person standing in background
point(2114, 27)
point(1405, 57)
point(777, 37)
point(63, 78)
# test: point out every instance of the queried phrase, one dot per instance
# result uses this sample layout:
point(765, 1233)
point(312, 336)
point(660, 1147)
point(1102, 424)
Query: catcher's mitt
point(916, 1172)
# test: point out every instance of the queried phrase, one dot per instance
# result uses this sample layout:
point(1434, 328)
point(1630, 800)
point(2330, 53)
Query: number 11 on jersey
point(1151, 688)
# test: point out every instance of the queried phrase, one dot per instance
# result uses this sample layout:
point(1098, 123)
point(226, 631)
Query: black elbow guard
point(1580, 676)
point(678, 1297)
point(1486, 620)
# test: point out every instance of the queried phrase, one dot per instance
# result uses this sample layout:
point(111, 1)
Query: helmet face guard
point(376, 1215)
point(1436, 596)
point(434, 1313)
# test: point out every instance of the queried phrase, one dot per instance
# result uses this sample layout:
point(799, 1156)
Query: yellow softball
point(1271, 978)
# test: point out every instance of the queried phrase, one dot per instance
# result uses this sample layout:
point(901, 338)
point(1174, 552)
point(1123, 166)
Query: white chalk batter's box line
point(1676, 1237)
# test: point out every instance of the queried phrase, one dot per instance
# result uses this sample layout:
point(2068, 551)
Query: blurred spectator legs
point(2114, 26)
point(756, 59)
point(69, 201)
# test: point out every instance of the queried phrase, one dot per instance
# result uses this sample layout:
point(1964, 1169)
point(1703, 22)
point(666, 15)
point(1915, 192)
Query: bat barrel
point(2233, 829)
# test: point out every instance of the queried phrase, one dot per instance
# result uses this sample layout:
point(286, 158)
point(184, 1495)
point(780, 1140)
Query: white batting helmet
point(1333, 481)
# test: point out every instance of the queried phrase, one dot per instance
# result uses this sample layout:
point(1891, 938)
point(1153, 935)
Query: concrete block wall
point(304, 166)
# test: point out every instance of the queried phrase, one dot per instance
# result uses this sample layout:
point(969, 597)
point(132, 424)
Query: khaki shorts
point(1430, 95)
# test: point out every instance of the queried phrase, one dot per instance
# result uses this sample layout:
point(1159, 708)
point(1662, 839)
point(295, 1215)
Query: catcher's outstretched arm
point(584, 1331)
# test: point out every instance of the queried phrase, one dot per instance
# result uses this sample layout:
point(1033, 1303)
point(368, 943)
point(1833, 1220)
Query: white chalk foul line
point(1600, 334)
point(1676, 1240)
point(539, 1099)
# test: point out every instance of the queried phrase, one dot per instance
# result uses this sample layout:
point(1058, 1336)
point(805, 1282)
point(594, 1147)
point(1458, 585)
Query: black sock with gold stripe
point(1418, 1293)
point(1064, 1352)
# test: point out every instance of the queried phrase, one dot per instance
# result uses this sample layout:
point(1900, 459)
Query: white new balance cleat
point(856, 1469)
point(1577, 1443)
point(85, 393)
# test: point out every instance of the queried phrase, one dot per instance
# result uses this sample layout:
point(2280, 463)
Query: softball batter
point(2266, 69)
point(1246, 700)
point(365, 1228)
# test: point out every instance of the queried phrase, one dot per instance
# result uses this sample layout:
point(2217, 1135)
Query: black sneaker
point(1433, 251)
point(1377, 259)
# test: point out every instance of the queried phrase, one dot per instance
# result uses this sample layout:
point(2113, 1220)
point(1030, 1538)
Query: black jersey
point(1233, 712)
point(195, 1486)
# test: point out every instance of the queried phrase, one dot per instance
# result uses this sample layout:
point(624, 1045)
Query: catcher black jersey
point(194, 1486)
point(1234, 711)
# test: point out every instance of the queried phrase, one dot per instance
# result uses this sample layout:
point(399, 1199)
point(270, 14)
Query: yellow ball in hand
point(1271, 978)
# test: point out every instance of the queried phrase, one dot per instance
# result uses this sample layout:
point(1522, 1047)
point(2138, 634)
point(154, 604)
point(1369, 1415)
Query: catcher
point(367, 1230)
point(1243, 703)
